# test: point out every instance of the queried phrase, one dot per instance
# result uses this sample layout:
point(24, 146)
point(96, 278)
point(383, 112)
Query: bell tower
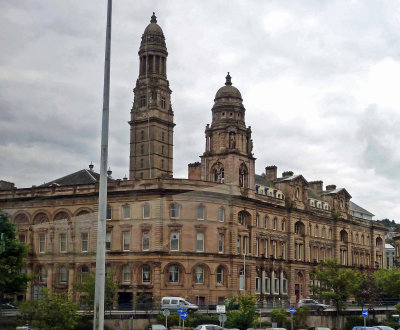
point(228, 157)
point(152, 118)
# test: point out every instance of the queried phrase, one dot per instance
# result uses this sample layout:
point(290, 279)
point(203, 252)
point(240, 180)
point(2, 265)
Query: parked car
point(156, 327)
point(8, 306)
point(208, 327)
point(383, 327)
point(319, 328)
point(275, 329)
point(312, 304)
point(173, 303)
point(361, 327)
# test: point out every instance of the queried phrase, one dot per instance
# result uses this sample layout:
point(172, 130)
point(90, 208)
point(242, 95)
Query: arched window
point(142, 149)
point(283, 225)
point(173, 274)
point(126, 274)
point(220, 275)
point(243, 218)
point(362, 239)
point(63, 274)
point(330, 234)
point(299, 228)
point(316, 231)
point(221, 214)
point(199, 275)
point(265, 222)
point(343, 236)
point(200, 212)
point(275, 223)
point(297, 193)
point(215, 175)
point(323, 232)
point(174, 210)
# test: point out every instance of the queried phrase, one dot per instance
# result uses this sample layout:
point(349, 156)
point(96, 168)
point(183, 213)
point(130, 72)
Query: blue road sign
point(183, 315)
point(399, 321)
point(292, 310)
point(365, 313)
point(180, 310)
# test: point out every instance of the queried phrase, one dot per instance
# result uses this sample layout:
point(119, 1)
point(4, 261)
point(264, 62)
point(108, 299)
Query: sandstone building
point(223, 231)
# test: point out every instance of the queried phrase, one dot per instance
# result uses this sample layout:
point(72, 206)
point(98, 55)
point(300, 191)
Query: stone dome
point(228, 90)
point(153, 27)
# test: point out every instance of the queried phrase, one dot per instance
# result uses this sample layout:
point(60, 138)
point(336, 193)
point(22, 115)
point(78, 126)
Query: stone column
point(50, 267)
point(29, 286)
point(71, 275)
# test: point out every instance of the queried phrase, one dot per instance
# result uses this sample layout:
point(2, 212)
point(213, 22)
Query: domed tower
point(228, 157)
point(152, 118)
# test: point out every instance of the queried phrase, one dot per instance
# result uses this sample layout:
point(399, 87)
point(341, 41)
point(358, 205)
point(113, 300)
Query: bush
point(354, 320)
point(279, 316)
point(193, 319)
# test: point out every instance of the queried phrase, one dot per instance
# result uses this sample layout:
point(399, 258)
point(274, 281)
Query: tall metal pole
point(98, 321)
point(244, 272)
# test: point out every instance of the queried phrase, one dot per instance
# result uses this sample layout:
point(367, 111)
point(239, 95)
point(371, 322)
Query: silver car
point(312, 304)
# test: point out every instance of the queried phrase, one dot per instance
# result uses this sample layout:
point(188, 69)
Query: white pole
point(244, 272)
point(98, 318)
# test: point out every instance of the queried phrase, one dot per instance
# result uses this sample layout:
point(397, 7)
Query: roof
point(336, 191)
point(388, 246)
point(312, 194)
point(359, 209)
point(80, 177)
point(291, 178)
point(228, 90)
point(262, 180)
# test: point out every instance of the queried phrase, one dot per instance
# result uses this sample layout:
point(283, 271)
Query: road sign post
point(222, 319)
point(183, 317)
point(180, 311)
point(166, 313)
point(365, 315)
point(292, 311)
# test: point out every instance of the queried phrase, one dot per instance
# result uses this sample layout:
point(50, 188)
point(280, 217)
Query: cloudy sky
point(320, 82)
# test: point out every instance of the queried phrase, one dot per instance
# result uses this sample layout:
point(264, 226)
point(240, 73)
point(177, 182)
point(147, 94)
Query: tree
point(388, 280)
point(366, 291)
point(244, 318)
point(87, 288)
point(334, 283)
point(279, 316)
point(12, 260)
point(50, 312)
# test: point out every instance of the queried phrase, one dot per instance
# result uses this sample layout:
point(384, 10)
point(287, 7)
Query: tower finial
point(228, 80)
point(153, 18)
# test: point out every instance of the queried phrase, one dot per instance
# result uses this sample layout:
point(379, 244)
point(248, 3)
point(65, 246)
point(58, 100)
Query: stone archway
point(299, 286)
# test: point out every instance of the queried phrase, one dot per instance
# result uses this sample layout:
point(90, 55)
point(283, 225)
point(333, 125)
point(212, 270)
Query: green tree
point(87, 288)
point(279, 316)
point(388, 280)
point(50, 312)
point(300, 317)
point(244, 318)
point(334, 283)
point(12, 260)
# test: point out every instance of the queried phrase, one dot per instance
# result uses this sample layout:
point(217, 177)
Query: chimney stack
point(271, 172)
point(91, 166)
point(286, 174)
point(331, 187)
point(317, 186)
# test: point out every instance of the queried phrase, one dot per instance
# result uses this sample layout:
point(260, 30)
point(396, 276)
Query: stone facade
point(223, 231)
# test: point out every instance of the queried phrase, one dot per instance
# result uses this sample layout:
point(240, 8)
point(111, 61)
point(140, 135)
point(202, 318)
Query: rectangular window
point(143, 101)
point(274, 249)
point(21, 238)
point(163, 102)
point(126, 274)
point(257, 220)
point(244, 244)
point(283, 248)
point(126, 211)
point(200, 212)
point(174, 210)
point(284, 285)
point(84, 242)
point(238, 244)
point(241, 281)
point(221, 243)
point(221, 214)
point(146, 274)
point(63, 274)
point(108, 241)
point(258, 285)
point(174, 241)
point(267, 285)
point(42, 243)
point(126, 239)
point(63, 242)
point(276, 285)
point(200, 242)
point(109, 212)
point(146, 241)
point(146, 211)
point(257, 246)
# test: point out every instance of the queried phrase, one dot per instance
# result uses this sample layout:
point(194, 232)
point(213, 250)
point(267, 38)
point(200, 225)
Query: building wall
point(296, 239)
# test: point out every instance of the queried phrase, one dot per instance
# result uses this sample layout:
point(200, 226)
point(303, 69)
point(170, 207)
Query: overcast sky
point(319, 79)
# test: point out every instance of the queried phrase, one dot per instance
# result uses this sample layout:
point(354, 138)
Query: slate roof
point(312, 194)
point(262, 180)
point(292, 177)
point(335, 191)
point(354, 207)
point(80, 177)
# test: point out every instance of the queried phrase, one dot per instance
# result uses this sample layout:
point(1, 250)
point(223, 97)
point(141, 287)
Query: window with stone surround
point(146, 274)
point(174, 210)
point(84, 242)
point(174, 245)
point(199, 275)
point(200, 242)
point(63, 242)
point(146, 241)
point(221, 214)
point(201, 212)
point(146, 211)
point(126, 274)
point(63, 274)
point(126, 211)
point(173, 273)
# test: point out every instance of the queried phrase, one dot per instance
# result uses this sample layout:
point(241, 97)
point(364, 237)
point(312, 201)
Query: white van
point(173, 303)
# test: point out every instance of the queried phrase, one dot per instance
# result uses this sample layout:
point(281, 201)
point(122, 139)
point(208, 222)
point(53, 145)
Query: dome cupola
point(153, 37)
point(228, 91)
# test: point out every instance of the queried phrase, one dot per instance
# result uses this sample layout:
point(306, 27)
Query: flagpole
point(98, 318)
